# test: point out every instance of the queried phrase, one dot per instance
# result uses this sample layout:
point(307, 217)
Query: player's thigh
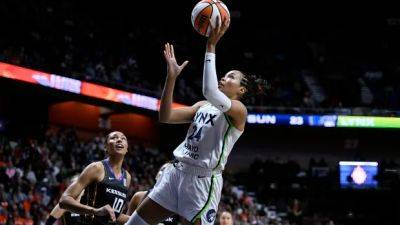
point(199, 199)
point(152, 212)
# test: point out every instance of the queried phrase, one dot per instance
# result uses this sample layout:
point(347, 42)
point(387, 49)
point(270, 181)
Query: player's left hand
point(173, 68)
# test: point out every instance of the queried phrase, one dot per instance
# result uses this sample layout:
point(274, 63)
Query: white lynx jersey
point(209, 140)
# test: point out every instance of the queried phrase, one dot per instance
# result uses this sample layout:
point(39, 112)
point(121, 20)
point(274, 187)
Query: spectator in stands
point(225, 218)
point(295, 213)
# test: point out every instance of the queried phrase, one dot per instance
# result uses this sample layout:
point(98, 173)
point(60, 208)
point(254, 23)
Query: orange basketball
point(206, 10)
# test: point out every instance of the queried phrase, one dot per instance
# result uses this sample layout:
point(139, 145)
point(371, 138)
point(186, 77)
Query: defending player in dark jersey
point(105, 184)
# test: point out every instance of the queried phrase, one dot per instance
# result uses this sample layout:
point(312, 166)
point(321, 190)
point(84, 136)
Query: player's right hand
point(218, 31)
point(173, 68)
point(104, 211)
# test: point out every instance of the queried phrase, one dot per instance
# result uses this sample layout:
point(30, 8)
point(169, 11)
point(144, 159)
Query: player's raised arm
point(166, 113)
point(210, 80)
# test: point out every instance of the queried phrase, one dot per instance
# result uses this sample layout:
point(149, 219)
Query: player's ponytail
point(255, 85)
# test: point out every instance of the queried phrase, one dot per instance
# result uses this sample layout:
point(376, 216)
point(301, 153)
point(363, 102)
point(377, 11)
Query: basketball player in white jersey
point(192, 186)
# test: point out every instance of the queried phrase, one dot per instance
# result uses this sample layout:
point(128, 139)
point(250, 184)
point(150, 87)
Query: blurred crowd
point(309, 63)
point(35, 171)
point(315, 195)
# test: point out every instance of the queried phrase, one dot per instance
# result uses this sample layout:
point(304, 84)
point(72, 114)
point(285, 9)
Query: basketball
point(206, 10)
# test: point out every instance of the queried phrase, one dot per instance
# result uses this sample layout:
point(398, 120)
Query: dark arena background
point(321, 146)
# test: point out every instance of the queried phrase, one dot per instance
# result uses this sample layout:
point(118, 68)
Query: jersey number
point(118, 203)
point(195, 135)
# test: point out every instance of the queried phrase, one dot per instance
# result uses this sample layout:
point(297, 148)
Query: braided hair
point(255, 85)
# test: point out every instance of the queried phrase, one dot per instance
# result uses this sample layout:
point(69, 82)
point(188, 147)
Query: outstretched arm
point(233, 108)
point(166, 113)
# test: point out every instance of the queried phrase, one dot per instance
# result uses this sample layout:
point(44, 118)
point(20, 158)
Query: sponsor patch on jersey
point(210, 216)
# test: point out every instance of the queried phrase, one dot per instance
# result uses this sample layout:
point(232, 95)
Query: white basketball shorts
point(189, 195)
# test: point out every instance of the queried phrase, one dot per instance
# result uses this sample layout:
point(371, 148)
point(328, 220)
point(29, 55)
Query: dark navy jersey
point(110, 191)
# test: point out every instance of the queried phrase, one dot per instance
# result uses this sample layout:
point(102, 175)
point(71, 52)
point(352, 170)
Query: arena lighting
point(79, 87)
point(358, 175)
point(110, 94)
point(324, 120)
point(358, 163)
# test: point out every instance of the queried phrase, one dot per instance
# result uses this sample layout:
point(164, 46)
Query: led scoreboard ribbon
point(79, 87)
point(142, 101)
point(324, 120)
